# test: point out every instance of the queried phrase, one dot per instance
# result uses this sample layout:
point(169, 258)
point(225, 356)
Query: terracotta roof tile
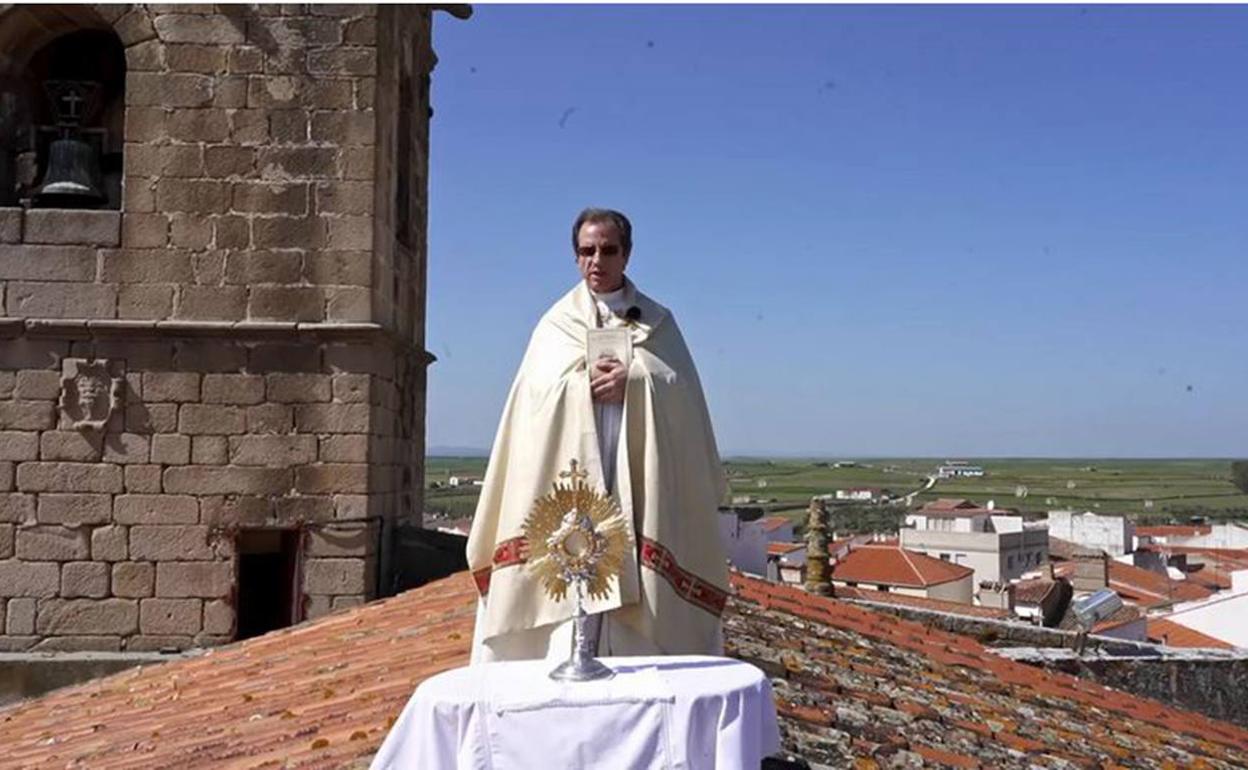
point(1066, 550)
point(852, 685)
point(1150, 589)
point(1173, 530)
point(780, 549)
point(320, 694)
point(948, 504)
point(1033, 591)
point(888, 565)
point(947, 696)
point(923, 603)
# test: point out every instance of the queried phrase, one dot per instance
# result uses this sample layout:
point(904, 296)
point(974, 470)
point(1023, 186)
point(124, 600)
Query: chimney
point(818, 573)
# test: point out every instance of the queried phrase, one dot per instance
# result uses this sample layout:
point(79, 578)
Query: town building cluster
point(1177, 586)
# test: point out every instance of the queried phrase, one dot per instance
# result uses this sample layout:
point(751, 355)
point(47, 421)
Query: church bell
point(69, 181)
point(72, 172)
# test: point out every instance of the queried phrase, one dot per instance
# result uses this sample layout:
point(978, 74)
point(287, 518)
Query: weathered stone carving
point(90, 391)
point(818, 572)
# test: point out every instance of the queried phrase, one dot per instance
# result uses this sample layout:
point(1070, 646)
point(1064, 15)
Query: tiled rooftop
point(864, 689)
point(780, 549)
point(948, 504)
point(1066, 550)
point(1173, 530)
point(923, 603)
point(320, 694)
point(1210, 567)
point(889, 565)
point(1150, 589)
point(1033, 591)
point(852, 685)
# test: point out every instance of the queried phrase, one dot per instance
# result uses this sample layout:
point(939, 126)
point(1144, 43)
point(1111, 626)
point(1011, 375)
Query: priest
point(640, 431)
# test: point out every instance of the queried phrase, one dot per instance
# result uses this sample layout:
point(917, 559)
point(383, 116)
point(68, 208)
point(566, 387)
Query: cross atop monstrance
point(574, 474)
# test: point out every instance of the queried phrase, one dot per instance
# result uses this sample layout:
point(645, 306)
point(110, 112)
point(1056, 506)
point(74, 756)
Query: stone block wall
point(257, 307)
point(249, 169)
point(124, 538)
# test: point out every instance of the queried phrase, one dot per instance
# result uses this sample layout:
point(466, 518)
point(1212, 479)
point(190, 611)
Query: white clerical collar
point(613, 300)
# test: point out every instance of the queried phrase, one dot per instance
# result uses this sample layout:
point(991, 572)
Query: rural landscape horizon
point(1158, 490)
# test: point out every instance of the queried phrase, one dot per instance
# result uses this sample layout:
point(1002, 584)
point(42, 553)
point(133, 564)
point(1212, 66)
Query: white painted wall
point(1222, 616)
point(1113, 534)
point(1229, 535)
point(978, 550)
point(921, 521)
point(745, 543)
point(961, 590)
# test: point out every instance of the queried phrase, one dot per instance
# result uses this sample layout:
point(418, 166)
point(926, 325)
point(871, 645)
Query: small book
point(608, 343)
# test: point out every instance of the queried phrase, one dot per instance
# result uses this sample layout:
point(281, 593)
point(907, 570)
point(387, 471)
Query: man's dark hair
point(622, 226)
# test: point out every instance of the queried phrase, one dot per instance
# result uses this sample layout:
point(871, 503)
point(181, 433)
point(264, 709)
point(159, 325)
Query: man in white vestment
point(642, 433)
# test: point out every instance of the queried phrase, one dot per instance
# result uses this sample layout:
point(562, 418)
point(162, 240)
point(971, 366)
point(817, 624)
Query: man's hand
point(609, 380)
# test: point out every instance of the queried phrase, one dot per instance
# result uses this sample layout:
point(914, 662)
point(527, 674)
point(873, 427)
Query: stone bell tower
point(212, 363)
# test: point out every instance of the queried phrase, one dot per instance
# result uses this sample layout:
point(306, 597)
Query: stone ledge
point(78, 227)
point(78, 328)
point(60, 227)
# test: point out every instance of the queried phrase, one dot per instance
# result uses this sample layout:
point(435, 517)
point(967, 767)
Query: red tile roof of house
point(1173, 530)
point(1066, 550)
point(889, 565)
point(855, 684)
point(1150, 589)
point(780, 549)
point(923, 603)
point(949, 504)
point(1171, 634)
point(772, 523)
point(849, 683)
point(1033, 591)
point(1210, 567)
point(320, 694)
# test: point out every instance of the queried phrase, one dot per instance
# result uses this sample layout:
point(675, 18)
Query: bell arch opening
point(62, 108)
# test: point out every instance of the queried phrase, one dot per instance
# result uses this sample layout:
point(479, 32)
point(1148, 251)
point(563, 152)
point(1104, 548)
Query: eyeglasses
point(606, 250)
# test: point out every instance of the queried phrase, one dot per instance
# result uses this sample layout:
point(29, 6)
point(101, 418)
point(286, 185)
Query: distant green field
point(1157, 490)
point(452, 501)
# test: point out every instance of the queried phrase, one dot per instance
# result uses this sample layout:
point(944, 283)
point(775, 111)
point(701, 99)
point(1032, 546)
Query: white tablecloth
point(675, 713)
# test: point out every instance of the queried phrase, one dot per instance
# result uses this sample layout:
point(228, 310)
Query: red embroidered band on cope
point(506, 554)
point(689, 586)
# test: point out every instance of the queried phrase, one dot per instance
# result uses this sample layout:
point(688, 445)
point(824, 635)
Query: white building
point(957, 469)
point(1114, 535)
point(891, 569)
point(998, 546)
point(744, 540)
point(863, 494)
point(1231, 534)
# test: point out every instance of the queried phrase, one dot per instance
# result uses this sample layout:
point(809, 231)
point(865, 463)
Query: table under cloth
point(674, 713)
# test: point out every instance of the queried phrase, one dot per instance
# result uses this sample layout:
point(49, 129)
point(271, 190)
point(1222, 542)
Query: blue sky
point(885, 230)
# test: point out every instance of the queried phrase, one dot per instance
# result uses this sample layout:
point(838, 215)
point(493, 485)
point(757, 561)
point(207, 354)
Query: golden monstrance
point(577, 537)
